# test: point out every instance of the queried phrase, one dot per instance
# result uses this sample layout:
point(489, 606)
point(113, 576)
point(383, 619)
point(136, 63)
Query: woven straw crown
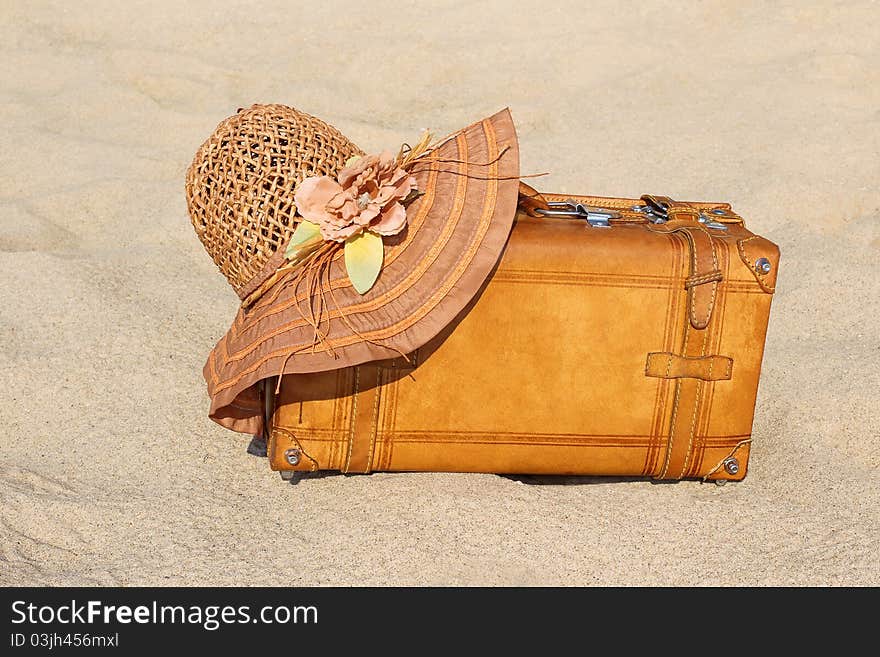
point(240, 185)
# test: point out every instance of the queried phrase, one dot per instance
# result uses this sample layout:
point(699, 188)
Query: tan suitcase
point(635, 349)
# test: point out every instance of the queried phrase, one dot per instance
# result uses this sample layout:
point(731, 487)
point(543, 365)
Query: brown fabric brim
point(454, 237)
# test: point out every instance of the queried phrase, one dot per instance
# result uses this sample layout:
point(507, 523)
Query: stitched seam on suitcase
point(668, 343)
point(374, 422)
point(699, 384)
point(737, 287)
point(678, 318)
point(695, 457)
point(382, 419)
point(701, 387)
point(679, 243)
point(671, 441)
point(687, 455)
point(484, 438)
point(678, 386)
point(392, 415)
point(334, 423)
point(469, 432)
point(706, 391)
point(388, 393)
point(710, 395)
point(626, 443)
point(627, 280)
point(717, 337)
point(354, 403)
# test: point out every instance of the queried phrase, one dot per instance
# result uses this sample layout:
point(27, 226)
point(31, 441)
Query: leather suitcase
point(635, 350)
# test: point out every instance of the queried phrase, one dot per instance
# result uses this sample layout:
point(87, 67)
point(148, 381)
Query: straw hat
point(303, 308)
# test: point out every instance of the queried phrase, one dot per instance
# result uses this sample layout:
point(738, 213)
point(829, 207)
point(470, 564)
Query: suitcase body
point(632, 349)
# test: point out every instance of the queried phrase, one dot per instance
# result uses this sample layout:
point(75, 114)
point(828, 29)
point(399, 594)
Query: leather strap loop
point(702, 284)
point(711, 277)
point(665, 365)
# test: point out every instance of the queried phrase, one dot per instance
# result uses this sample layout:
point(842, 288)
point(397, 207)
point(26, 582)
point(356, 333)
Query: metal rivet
point(292, 456)
point(731, 465)
point(718, 211)
point(763, 266)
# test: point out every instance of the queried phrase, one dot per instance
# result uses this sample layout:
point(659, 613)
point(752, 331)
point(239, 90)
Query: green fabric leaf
point(352, 160)
point(363, 260)
point(305, 232)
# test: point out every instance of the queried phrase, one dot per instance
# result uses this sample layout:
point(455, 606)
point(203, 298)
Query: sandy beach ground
point(110, 471)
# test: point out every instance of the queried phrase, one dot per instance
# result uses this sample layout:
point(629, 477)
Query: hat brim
point(454, 236)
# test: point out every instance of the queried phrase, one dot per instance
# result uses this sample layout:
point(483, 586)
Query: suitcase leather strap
point(702, 284)
point(363, 425)
point(695, 366)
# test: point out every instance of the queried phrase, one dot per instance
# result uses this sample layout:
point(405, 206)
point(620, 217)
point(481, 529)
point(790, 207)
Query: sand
point(110, 471)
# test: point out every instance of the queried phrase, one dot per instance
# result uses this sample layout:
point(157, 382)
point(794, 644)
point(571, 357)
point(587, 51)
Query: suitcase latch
point(596, 217)
point(655, 215)
point(657, 212)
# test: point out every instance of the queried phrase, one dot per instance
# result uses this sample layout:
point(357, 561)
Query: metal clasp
point(658, 212)
point(596, 217)
point(655, 212)
point(708, 223)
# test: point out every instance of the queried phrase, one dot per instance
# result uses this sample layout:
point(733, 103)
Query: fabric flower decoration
point(358, 208)
point(365, 196)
